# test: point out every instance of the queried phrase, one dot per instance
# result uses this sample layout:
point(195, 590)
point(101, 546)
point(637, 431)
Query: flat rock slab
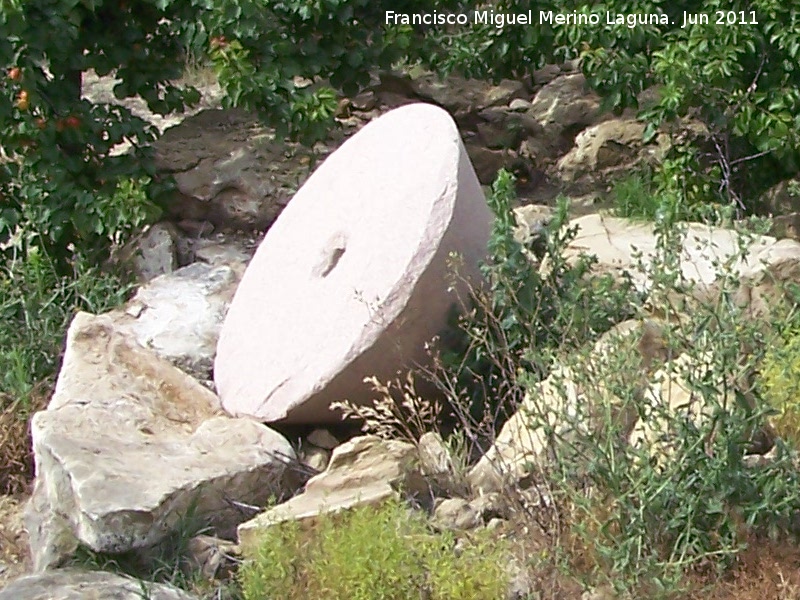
point(71, 584)
point(363, 471)
point(130, 445)
point(520, 444)
point(352, 279)
point(616, 242)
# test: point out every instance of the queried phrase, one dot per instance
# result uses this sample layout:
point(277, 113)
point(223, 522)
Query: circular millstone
point(353, 279)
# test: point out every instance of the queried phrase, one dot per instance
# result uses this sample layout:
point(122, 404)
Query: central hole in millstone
point(331, 255)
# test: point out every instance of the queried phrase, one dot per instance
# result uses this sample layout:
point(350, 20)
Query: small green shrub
point(780, 383)
point(372, 553)
point(640, 515)
point(686, 498)
point(678, 190)
point(633, 197)
point(524, 312)
point(36, 307)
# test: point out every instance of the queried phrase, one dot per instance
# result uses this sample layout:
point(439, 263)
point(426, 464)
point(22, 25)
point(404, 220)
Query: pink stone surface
point(352, 278)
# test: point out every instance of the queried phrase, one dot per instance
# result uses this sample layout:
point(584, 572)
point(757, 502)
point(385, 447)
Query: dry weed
point(16, 455)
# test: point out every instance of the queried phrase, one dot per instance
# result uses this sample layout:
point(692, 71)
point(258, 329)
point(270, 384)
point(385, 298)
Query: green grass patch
point(635, 197)
point(36, 307)
point(370, 553)
point(780, 384)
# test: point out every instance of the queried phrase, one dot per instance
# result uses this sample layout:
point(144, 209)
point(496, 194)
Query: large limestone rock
point(129, 445)
point(604, 146)
point(616, 242)
point(567, 403)
point(668, 396)
point(366, 470)
point(179, 315)
point(566, 104)
point(463, 97)
point(642, 359)
point(520, 444)
point(351, 280)
point(229, 170)
point(72, 584)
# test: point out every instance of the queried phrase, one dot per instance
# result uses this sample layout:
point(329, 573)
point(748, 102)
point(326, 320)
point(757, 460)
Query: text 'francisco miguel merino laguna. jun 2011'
point(549, 17)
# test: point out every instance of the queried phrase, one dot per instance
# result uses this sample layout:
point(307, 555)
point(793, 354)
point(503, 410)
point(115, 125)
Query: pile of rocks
point(234, 176)
point(169, 407)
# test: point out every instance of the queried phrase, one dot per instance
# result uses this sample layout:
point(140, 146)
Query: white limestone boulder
point(566, 402)
point(364, 471)
point(520, 444)
point(617, 243)
point(73, 584)
point(129, 445)
point(352, 279)
point(179, 315)
point(609, 145)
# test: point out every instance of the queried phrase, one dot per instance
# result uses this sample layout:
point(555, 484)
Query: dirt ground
point(766, 571)
point(13, 540)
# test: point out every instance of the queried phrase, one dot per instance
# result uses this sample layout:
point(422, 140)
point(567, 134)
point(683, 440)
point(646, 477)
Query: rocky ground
point(148, 366)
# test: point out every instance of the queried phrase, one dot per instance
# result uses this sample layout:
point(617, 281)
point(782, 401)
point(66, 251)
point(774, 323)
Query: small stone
point(212, 557)
point(564, 104)
point(503, 93)
point(456, 514)
point(437, 465)
point(316, 459)
point(519, 104)
point(322, 438)
point(532, 221)
point(156, 252)
point(496, 524)
point(365, 101)
point(605, 592)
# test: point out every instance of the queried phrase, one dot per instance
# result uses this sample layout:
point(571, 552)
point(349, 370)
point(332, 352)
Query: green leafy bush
point(531, 306)
point(373, 553)
point(674, 191)
point(632, 197)
point(59, 172)
point(36, 306)
point(640, 515)
point(59, 177)
point(739, 78)
point(687, 497)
